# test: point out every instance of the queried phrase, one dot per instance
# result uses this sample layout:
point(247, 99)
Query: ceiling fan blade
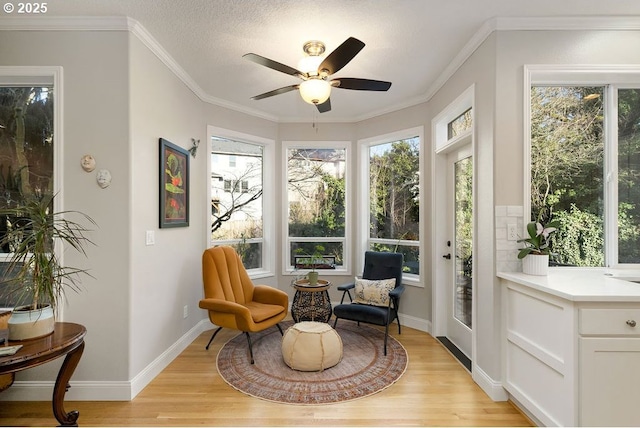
point(341, 56)
point(274, 65)
point(361, 84)
point(276, 92)
point(325, 106)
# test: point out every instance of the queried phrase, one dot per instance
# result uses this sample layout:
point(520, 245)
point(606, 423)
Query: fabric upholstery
point(373, 291)
point(377, 266)
point(231, 298)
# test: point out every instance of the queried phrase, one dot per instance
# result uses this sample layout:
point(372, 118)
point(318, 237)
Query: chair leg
point(211, 340)
point(335, 322)
point(399, 326)
point(386, 334)
point(250, 347)
point(280, 328)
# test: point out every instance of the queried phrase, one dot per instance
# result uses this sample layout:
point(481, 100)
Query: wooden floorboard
point(434, 391)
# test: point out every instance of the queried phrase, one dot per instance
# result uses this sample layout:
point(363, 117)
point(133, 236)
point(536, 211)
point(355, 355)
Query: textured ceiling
point(411, 43)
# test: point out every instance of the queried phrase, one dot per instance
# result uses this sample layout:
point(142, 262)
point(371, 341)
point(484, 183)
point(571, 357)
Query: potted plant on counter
point(535, 255)
point(36, 277)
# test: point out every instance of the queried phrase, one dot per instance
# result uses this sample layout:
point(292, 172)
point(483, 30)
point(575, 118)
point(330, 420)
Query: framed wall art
point(174, 185)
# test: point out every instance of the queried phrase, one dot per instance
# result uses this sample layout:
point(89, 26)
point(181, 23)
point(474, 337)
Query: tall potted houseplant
point(36, 278)
point(535, 254)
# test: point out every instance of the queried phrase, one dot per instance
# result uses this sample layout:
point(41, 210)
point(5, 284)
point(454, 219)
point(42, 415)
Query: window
point(316, 189)
point(29, 117)
point(585, 168)
point(237, 200)
point(393, 198)
point(460, 125)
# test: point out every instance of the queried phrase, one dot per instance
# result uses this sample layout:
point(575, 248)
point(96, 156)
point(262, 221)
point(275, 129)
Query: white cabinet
point(610, 367)
point(571, 362)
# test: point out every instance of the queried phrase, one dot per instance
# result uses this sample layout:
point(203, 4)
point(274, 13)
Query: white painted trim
point(105, 390)
point(116, 23)
point(347, 265)
point(363, 195)
point(142, 379)
point(268, 195)
point(491, 387)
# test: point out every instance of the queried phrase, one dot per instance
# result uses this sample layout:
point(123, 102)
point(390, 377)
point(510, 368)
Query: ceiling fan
point(315, 71)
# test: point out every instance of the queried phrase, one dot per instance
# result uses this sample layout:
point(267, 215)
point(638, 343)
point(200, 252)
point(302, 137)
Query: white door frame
point(441, 146)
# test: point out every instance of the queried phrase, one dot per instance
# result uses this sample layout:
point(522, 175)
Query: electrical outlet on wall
point(512, 232)
point(185, 311)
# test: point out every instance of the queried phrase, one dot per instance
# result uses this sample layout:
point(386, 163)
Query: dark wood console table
point(66, 339)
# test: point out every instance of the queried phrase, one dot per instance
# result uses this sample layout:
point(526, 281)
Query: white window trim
point(346, 268)
point(45, 76)
point(363, 197)
point(268, 196)
point(612, 77)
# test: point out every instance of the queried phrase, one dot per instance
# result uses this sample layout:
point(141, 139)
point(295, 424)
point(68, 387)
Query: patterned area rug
point(363, 371)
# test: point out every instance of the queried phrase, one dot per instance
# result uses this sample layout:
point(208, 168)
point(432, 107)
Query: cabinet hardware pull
point(631, 323)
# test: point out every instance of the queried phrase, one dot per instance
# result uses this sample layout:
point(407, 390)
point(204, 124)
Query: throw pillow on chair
point(373, 291)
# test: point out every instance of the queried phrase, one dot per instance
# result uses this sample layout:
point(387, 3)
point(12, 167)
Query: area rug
point(363, 371)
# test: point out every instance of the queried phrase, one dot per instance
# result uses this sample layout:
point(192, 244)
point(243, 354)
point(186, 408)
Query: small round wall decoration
point(103, 178)
point(88, 163)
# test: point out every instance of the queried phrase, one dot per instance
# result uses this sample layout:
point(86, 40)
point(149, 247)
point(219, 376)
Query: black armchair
point(377, 266)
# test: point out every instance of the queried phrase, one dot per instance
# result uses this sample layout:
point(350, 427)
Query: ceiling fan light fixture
point(315, 91)
point(310, 64)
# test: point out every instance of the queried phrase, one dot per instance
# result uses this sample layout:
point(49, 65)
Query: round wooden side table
point(311, 302)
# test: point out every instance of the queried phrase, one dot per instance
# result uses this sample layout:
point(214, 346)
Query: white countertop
point(582, 284)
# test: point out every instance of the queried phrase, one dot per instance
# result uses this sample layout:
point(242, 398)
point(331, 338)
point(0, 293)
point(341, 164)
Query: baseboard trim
point(105, 391)
point(142, 379)
point(491, 387)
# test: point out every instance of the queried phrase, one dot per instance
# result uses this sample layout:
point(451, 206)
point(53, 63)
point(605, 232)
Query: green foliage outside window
point(568, 171)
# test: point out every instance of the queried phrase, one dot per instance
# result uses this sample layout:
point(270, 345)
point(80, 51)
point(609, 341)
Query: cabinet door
point(609, 381)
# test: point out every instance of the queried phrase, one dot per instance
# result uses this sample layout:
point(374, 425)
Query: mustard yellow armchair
point(233, 301)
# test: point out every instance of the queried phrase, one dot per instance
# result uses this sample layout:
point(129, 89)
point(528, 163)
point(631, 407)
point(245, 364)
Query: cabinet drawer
point(610, 321)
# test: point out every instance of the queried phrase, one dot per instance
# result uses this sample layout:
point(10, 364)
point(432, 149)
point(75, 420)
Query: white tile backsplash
point(506, 250)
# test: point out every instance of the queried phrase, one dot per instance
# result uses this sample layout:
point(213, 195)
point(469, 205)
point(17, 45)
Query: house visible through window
point(316, 201)
point(236, 198)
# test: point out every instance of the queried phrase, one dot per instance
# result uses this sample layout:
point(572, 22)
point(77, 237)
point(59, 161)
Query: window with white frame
point(316, 177)
point(238, 211)
point(392, 190)
point(585, 167)
point(29, 117)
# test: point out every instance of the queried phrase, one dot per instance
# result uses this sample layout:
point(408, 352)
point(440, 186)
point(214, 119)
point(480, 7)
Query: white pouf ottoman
point(311, 346)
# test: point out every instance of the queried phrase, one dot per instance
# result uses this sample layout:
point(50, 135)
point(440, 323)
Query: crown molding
point(64, 23)
point(150, 42)
point(120, 23)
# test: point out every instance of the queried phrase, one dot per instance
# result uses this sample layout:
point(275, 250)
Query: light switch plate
point(150, 238)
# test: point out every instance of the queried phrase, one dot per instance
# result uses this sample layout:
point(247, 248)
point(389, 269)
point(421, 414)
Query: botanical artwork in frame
point(174, 185)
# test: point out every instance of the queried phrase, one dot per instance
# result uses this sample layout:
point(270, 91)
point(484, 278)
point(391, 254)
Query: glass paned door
point(463, 242)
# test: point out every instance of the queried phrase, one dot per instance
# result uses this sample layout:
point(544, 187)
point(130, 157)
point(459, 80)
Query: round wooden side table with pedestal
point(311, 302)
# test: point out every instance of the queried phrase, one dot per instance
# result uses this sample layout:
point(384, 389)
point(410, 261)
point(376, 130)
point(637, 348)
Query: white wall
point(166, 276)
point(96, 122)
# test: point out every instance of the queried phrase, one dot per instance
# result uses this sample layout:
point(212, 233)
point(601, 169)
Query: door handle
point(447, 256)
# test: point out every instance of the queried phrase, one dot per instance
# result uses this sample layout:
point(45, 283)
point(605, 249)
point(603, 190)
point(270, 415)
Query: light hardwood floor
point(434, 391)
